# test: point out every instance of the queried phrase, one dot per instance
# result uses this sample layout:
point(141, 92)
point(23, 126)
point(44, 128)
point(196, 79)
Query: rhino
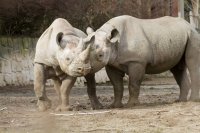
point(132, 46)
point(56, 55)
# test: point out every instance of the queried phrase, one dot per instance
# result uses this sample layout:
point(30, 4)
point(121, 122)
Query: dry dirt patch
point(157, 113)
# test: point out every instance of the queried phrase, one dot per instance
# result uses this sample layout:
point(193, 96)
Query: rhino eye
point(97, 46)
point(67, 58)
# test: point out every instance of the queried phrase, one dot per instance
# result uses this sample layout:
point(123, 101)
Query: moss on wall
point(16, 60)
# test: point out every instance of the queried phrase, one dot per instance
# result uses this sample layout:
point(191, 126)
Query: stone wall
point(16, 60)
point(16, 63)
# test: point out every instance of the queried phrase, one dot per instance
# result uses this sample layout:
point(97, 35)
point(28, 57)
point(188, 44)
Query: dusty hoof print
point(44, 105)
point(79, 107)
point(61, 108)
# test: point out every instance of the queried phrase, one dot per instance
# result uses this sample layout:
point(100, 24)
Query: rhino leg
point(65, 89)
point(39, 87)
point(136, 72)
point(57, 84)
point(91, 90)
point(193, 64)
point(116, 78)
point(182, 79)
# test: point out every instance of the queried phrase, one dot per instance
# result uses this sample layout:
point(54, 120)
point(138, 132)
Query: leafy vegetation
point(32, 17)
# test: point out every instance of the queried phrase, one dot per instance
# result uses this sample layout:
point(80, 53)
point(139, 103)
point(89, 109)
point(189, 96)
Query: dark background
point(32, 17)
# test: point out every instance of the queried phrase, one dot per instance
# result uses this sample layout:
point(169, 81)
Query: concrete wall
point(16, 63)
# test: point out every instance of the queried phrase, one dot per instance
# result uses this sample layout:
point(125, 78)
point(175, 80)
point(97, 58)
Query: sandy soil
point(157, 113)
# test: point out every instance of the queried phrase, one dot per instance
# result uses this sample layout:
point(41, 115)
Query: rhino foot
point(61, 108)
point(194, 99)
point(116, 105)
point(132, 103)
point(181, 100)
point(96, 105)
point(43, 105)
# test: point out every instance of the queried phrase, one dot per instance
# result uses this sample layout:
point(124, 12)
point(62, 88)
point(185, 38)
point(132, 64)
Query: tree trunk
point(167, 8)
point(181, 8)
point(195, 12)
point(146, 8)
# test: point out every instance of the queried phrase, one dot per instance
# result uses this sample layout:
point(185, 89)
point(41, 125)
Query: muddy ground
point(157, 113)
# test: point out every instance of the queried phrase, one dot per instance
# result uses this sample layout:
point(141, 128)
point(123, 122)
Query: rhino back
point(43, 50)
point(158, 42)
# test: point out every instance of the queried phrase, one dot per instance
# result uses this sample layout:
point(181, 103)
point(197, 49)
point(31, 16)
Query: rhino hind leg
point(91, 90)
point(116, 78)
point(193, 64)
point(136, 72)
point(39, 87)
point(182, 79)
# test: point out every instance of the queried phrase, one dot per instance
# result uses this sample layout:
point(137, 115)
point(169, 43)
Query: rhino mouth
point(81, 70)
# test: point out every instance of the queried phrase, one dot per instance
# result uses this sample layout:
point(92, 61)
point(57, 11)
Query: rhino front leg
point(65, 89)
point(39, 87)
point(116, 79)
point(136, 72)
point(91, 90)
point(57, 84)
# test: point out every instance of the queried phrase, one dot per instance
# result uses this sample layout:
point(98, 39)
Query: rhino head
point(102, 42)
point(99, 44)
point(71, 53)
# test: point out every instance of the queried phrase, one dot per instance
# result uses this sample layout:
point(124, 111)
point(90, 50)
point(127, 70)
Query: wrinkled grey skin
point(55, 59)
point(135, 46)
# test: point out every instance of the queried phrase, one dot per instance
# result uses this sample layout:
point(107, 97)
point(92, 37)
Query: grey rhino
point(55, 58)
point(135, 46)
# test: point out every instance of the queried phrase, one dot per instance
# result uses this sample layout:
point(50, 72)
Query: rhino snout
point(80, 70)
point(83, 70)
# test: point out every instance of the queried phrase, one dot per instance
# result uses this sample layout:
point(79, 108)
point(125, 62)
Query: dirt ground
point(157, 113)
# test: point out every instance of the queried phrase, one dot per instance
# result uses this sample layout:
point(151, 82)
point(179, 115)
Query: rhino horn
point(80, 44)
point(85, 55)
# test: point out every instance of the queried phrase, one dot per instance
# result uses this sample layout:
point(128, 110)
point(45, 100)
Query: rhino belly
point(166, 58)
point(160, 67)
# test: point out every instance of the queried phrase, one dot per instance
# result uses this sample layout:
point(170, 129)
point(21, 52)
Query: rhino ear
point(89, 30)
point(114, 37)
point(59, 39)
point(89, 40)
